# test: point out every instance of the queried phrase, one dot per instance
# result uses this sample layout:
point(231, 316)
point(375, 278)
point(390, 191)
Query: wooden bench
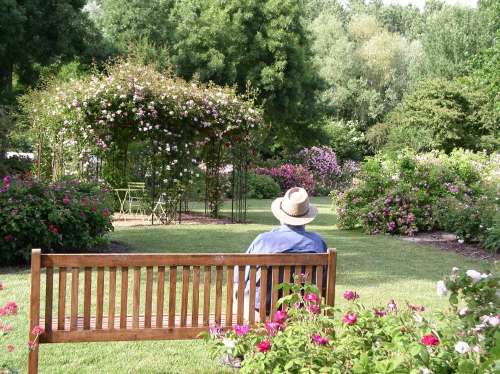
point(105, 314)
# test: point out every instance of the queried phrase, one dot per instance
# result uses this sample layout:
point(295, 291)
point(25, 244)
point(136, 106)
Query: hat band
point(293, 215)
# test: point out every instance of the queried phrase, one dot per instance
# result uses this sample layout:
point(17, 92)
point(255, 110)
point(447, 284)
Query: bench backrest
point(124, 295)
point(137, 185)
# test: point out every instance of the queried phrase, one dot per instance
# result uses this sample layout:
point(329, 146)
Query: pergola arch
point(92, 126)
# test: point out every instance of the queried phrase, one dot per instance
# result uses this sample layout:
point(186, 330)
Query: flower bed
point(310, 337)
point(406, 193)
point(65, 216)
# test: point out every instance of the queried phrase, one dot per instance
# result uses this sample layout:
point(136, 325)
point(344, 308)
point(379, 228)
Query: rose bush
point(358, 339)
point(289, 175)
point(407, 192)
point(63, 216)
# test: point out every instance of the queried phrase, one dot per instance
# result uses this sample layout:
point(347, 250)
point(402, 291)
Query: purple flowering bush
point(63, 216)
point(406, 193)
point(289, 175)
point(308, 336)
point(322, 163)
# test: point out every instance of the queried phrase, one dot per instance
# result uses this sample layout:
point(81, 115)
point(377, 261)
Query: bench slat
point(160, 296)
point(172, 295)
point(218, 295)
point(263, 293)
point(241, 294)
point(61, 305)
point(112, 297)
point(319, 279)
point(184, 295)
point(136, 297)
point(206, 295)
point(229, 295)
point(251, 302)
point(149, 295)
point(75, 274)
point(196, 296)
point(100, 297)
point(87, 297)
point(49, 294)
point(274, 289)
point(155, 259)
point(124, 298)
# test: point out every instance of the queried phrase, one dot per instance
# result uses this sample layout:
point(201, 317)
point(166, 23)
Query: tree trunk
point(6, 77)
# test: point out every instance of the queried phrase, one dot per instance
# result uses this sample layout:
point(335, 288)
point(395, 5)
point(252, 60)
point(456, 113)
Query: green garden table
point(122, 194)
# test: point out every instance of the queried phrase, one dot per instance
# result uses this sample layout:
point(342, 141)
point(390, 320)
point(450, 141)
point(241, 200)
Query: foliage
point(307, 337)
point(56, 217)
point(262, 186)
point(322, 163)
point(345, 137)
point(289, 175)
point(442, 115)
point(403, 193)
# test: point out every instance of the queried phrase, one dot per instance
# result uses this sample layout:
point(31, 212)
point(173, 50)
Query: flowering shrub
point(407, 193)
point(388, 339)
point(7, 312)
point(62, 216)
point(289, 175)
point(322, 163)
point(262, 187)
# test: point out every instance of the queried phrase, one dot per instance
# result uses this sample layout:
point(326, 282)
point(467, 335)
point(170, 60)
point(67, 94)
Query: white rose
point(493, 321)
point(455, 269)
point(474, 274)
point(462, 347)
point(418, 318)
point(425, 371)
point(463, 311)
point(441, 288)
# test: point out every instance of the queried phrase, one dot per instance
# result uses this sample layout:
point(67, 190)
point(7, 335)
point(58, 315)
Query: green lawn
point(378, 267)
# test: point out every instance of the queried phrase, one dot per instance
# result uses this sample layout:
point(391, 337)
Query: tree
point(36, 32)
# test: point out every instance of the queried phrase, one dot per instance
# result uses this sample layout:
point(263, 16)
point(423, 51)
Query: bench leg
point(33, 361)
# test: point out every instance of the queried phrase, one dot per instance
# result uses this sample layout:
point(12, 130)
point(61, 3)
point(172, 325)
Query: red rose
point(429, 340)
point(264, 346)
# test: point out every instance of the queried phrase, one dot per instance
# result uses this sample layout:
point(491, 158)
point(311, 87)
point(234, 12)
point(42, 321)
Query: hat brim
point(290, 220)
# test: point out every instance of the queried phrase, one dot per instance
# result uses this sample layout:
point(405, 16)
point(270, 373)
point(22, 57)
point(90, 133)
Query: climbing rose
point(318, 339)
point(429, 340)
point(264, 346)
point(241, 330)
point(311, 297)
point(351, 295)
point(350, 318)
point(280, 316)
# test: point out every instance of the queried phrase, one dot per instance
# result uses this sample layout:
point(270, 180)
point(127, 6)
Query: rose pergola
point(132, 121)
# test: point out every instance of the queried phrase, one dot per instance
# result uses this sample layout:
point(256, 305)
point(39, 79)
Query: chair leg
point(33, 361)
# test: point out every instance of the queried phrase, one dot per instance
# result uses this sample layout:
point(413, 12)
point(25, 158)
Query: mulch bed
point(448, 242)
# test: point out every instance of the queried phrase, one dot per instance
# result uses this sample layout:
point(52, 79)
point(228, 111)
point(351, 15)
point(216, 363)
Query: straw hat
point(294, 208)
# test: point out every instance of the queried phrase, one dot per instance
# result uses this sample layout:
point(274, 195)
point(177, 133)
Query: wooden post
point(332, 275)
point(34, 308)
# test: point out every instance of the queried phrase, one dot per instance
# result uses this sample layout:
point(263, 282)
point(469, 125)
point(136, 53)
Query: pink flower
point(318, 339)
point(350, 318)
point(10, 348)
point(273, 327)
point(379, 312)
point(351, 295)
point(314, 308)
point(264, 345)
point(2, 287)
point(54, 229)
point(105, 212)
point(66, 200)
point(6, 181)
point(280, 316)
point(10, 308)
point(241, 330)
point(311, 297)
point(216, 331)
point(38, 330)
point(429, 340)
point(392, 305)
point(7, 328)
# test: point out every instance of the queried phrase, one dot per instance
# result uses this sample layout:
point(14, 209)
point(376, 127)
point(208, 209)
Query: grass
point(378, 267)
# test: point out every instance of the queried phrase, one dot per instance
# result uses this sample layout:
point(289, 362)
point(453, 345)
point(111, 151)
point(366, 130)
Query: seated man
point(294, 212)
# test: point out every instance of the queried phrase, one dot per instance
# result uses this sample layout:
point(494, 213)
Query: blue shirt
point(282, 239)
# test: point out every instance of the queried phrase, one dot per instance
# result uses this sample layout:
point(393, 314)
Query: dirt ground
point(132, 220)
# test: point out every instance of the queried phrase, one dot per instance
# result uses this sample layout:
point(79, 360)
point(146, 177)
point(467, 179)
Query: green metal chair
point(137, 198)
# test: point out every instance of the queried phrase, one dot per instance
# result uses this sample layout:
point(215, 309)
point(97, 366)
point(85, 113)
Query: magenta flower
point(38, 330)
point(10, 308)
point(273, 327)
point(105, 212)
point(379, 312)
point(241, 330)
point(7, 180)
point(264, 345)
point(280, 316)
point(311, 297)
point(318, 339)
point(66, 200)
point(429, 340)
point(351, 295)
point(392, 305)
point(350, 318)
point(314, 308)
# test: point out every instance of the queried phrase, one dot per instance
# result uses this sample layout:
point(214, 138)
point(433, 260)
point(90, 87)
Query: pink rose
point(10, 348)
point(264, 345)
point(38, 330)
point(241, 330)
point(351, 295)
point(314, 308)
point(318, 339)
point(66, 200)
point(311, 297)
point(429, 340)
point(273, 327)
point(280, 316)
point(350, 318)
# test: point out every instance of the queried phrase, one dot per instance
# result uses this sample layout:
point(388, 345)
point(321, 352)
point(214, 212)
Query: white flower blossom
point(229, 343)
point(463, 311)
point(441, 288)
point(425, 371)
point(474, 274)
point(462, 347)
